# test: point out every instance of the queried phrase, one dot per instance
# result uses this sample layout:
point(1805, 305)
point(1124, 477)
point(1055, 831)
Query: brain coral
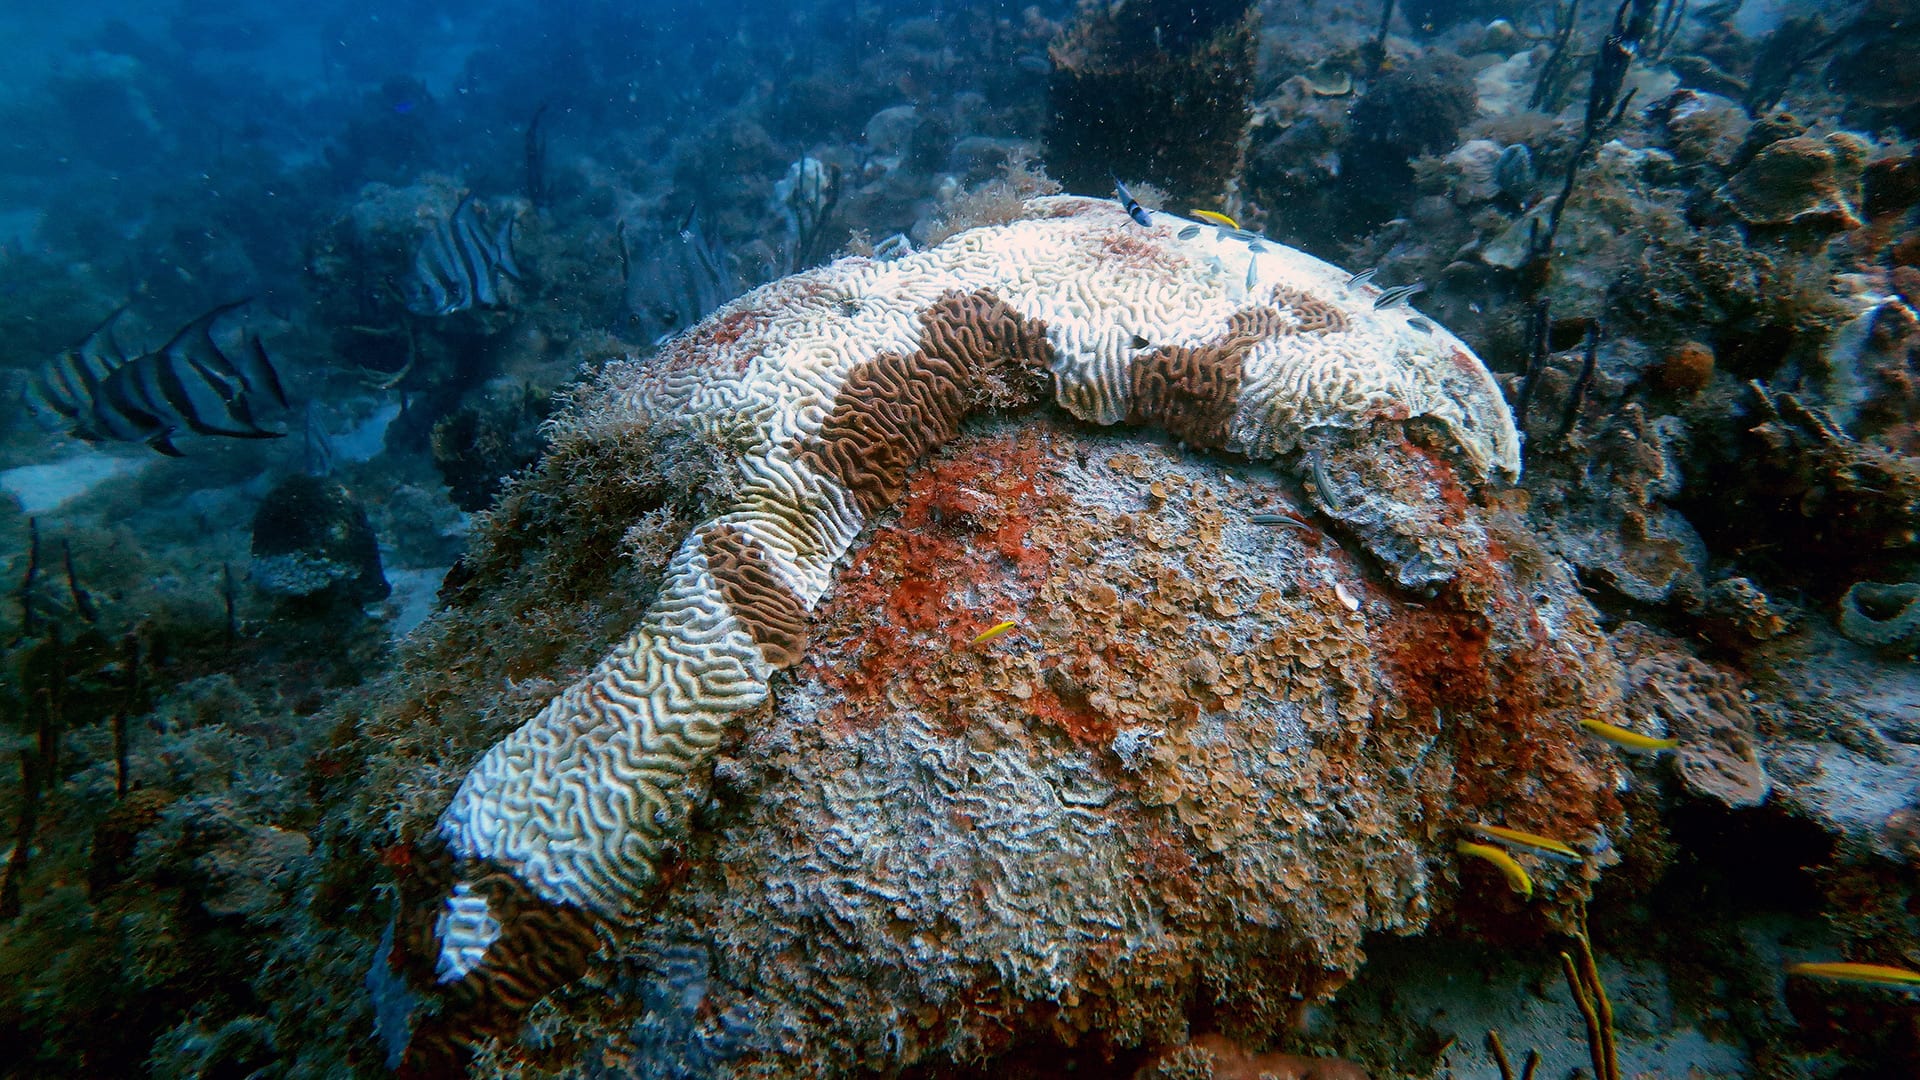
point(1216, 752)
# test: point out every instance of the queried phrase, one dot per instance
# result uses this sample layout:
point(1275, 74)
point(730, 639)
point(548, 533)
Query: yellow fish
point(1870, 974)
point(1545, 847)
point(1628, 740)
point(1516, 875)
point(994, 631)
point(1217, 218)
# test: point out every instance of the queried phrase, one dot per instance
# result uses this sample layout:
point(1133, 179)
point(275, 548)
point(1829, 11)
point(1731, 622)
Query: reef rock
point(1884, 616)
point(1801, 181)
point(1704, 707)
point(1472, 166)
point(1216, 750)
point(1842, 744)
point(1215, 1057)
point(312, 540)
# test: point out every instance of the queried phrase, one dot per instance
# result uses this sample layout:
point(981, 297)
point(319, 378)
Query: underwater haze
point(1308, 539)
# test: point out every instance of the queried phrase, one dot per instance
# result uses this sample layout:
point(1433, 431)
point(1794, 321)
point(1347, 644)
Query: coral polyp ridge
point(830, 386)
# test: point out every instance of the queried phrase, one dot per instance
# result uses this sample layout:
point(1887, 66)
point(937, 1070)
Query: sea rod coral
point(830, 387)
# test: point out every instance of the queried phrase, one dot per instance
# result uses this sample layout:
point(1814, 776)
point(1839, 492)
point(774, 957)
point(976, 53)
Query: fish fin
point(163, 442)
point(503, 241)
point(202, 326)
point(268, 373)
point(103, 332)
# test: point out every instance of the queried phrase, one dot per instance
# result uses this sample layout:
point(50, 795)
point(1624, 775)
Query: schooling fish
point(1362, 277)
point(1545, 847)
point(458, 266)
point(189, 383)
point(1516, 875)
point(1217, 218)
point(1628, 740)
point(1189, 233)
point(1869, 974)
point(1134, 210)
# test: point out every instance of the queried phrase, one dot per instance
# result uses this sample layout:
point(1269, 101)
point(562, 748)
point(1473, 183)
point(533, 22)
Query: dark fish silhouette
point(677, 279)
point(100, 394)
point(458, 266)
point(1134, 210)
point(1513, 171)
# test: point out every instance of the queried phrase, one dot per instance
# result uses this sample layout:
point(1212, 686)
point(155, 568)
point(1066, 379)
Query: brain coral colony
point(703, 560)
point(1210, 754)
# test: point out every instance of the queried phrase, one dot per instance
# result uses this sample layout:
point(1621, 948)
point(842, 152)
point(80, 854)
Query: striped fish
point(459, 266)
point(61, 393)
point(190, 384)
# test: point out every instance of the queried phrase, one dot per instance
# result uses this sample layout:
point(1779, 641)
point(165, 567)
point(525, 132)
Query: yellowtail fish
point(1545, 847)
point(1217, 218)
point(1516, 875)
point(1629, 740)
point(994, 631)
point(1869, 974)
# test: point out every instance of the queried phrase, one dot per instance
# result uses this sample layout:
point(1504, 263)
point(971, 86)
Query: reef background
point(1717, 369)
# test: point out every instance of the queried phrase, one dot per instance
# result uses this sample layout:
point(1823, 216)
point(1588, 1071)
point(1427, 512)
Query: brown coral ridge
point(541, 947)
point(771, 612)
point(1191, 392)
point(894, 409)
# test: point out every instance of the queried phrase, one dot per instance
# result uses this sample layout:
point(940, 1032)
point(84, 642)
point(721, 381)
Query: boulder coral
point(1226, 740)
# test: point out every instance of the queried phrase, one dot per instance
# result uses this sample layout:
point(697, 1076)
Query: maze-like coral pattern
point(1194, 773)
point(831, 386)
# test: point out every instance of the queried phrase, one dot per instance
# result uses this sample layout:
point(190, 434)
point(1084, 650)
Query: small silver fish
point(1253, 273)
point(1189, 232)
point(1256, 246)
point(1362, 277)
point(1276, 519)
point(1420, 324)
point(1397, 296)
